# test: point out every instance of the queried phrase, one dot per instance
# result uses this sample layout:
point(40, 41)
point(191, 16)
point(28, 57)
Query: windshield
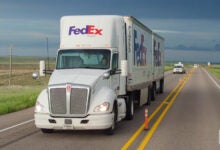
point(178, 67)
point(83, 58)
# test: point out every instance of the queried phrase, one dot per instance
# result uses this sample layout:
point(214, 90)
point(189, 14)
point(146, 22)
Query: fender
point(121, 108)
point(42, 100)
point(100, 96)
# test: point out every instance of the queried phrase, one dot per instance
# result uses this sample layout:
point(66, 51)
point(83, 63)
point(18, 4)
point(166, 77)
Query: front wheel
point(47, 130)
point(110, 131)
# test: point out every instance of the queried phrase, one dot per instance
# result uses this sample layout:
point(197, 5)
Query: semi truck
point(106, 65)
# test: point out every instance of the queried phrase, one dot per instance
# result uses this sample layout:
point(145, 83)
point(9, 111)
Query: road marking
point(218, 136)
point(140, 129)
point(157, 123)
point(166, 103)
point(14, 126)
point(212, 79)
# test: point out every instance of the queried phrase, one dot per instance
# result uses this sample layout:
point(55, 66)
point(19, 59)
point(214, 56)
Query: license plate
point(67, 124)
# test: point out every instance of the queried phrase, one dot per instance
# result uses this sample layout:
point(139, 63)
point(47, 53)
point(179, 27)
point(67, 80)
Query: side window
point(115, 61)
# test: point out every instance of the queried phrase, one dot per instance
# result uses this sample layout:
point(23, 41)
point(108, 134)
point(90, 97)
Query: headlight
point(39, 108)
point(102, 107)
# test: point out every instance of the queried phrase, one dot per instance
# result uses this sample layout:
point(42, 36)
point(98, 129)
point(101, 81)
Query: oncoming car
point(179, 68)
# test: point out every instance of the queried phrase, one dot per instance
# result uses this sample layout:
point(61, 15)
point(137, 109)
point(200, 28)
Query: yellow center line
point(156, 124)
point(140, 129)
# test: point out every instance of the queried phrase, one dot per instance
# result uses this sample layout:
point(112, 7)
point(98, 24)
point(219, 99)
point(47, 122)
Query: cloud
point(188, 33)
point(168, 31)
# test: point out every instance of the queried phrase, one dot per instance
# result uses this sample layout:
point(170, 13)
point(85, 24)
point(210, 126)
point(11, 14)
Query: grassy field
point(23, 90)
point(215, 70)
point(15, 98)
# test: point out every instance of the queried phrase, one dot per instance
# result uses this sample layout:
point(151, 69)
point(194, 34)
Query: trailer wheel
point(153, 92)
point(130, 107)
point(149, 98)
point(161, 86)
point(47, 130)
point(110, 131)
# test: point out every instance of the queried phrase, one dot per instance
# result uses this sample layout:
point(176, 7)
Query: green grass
point(23, 90)
point(167, 68)
point(16, 98)
point(22, 93)
point(215, 70)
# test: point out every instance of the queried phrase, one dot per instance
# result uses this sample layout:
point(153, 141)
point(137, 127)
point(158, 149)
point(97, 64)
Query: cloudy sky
point(185, 24)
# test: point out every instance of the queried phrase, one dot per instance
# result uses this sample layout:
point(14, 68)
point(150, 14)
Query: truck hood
point(76, 76)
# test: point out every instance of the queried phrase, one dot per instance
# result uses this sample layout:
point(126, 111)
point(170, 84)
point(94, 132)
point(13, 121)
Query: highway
point(185, 116)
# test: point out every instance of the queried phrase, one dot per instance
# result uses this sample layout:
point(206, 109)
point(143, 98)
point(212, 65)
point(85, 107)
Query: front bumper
point(178, 71)
point(45, 121)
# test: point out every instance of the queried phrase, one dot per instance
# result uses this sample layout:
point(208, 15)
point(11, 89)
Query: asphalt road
point(191, 122)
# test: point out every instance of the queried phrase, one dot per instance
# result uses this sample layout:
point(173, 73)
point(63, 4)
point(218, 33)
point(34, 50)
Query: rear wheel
point(149, 95)
point(153, 92)
point(161, 86)
point(130, 107)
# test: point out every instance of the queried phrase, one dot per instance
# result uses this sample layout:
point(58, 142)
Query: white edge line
point(212, 79)
point(218, 136)
point(14, 126)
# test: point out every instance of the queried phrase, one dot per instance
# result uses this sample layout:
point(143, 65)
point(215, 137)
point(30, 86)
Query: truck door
point(115, 73)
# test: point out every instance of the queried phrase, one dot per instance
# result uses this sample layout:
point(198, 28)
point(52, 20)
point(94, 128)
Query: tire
point(153, 92)
point(161, 89)
point(130, 107)
point(111, 130)
point(47, 130)
point(149, 96)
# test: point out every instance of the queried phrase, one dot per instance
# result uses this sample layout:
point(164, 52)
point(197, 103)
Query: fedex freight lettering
point(89, 29)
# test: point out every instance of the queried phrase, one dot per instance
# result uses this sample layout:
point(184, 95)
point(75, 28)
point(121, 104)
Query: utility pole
point(48, 64)
point(10, 65)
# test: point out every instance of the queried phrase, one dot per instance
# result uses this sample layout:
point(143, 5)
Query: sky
point(186, 25)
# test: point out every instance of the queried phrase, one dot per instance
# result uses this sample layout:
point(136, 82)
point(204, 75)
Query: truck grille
point(69, 103)
point(58, 100)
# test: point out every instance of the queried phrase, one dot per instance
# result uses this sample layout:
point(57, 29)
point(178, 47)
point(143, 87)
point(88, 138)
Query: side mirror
point(106, 75)
point(35, 75)
point(124, 68)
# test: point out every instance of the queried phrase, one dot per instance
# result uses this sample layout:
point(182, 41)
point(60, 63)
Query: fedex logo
point(89, 29)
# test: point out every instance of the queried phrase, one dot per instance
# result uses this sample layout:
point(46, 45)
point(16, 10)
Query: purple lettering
point(71, 29)
point(77, 31)
point(89, 29)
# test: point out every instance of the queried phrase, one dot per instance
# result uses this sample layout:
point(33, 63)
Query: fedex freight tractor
point(105, 65)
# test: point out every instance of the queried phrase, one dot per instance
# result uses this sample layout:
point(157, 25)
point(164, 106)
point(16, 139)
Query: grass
point(215, 70)
point(23, 90)
point(21, 94)
point(167, 68)
point(16, 98)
